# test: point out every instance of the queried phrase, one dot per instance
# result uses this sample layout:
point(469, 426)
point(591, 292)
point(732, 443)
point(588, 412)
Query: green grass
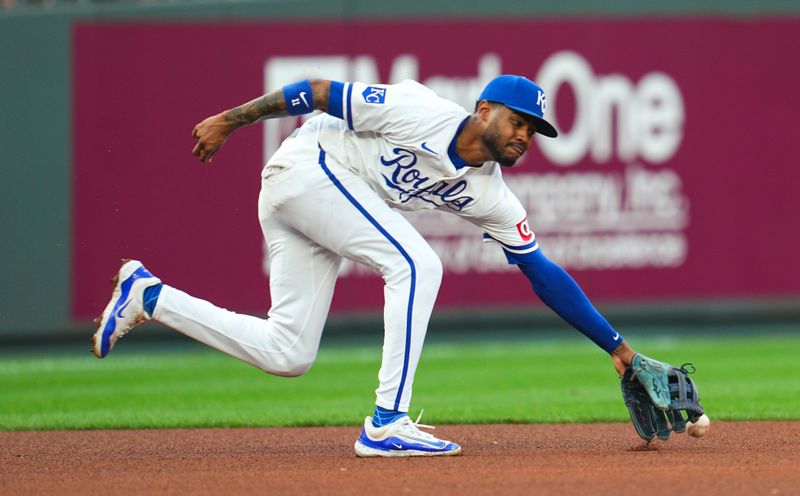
point(478, 382)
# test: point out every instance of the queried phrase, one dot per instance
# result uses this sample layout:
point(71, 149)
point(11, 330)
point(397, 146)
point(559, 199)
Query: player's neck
point(469, 145)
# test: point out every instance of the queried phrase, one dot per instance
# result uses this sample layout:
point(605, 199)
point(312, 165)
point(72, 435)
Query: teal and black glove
point(660, 398)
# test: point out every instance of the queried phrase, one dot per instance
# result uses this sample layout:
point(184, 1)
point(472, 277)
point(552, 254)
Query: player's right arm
point(298, 98)
point(404, 111)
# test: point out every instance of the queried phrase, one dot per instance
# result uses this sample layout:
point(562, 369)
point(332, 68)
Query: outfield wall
point(674, 179)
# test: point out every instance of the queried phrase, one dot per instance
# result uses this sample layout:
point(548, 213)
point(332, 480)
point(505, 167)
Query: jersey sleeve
point(506, 223)
point(400, 110)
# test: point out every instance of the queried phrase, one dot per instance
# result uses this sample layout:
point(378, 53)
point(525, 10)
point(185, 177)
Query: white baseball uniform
point(329, 192)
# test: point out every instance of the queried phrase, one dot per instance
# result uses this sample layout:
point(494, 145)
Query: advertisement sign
point(673, 178)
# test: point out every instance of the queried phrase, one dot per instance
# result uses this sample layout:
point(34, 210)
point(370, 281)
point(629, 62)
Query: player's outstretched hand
point(211, 135)
point(622, 357)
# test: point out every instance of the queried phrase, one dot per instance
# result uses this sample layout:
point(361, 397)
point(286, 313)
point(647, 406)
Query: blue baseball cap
point(520, 94)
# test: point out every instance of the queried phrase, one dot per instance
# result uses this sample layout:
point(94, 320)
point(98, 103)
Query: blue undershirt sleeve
point(563, 295)
point(335, 99)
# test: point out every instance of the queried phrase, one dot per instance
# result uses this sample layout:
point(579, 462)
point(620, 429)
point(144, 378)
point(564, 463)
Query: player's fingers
point(201, 152)
point(197, 149)
point(206, 153)
point(194, 132)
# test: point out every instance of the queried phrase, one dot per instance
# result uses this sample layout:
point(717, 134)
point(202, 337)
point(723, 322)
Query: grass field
point(477, 382)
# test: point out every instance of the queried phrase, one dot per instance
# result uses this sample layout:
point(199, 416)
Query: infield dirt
point(750, 458)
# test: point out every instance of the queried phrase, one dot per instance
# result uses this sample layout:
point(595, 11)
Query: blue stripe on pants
point(403, 252)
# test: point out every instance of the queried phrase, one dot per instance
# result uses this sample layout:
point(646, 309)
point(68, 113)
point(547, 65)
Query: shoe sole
point(100, 322)
point(367, 452)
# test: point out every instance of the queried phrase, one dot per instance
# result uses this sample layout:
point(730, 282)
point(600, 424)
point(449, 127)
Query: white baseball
point(699, 428)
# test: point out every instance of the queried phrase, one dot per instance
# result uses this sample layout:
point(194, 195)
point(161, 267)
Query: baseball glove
point(660, 398)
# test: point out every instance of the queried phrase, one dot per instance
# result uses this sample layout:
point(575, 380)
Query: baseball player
point(330, 192)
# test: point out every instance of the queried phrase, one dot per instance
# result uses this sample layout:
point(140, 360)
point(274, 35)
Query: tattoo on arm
point(265, 107)
point(274, 105)
point(623, 352)
point(620, 348)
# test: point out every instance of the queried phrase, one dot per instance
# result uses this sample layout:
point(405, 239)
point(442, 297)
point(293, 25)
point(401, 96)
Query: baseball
point(699, 428)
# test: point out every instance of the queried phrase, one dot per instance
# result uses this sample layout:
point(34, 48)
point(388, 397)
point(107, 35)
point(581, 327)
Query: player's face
point(508, 135)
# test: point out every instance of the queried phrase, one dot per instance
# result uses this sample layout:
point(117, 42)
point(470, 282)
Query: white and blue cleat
point(401, 438)
point(125, 310)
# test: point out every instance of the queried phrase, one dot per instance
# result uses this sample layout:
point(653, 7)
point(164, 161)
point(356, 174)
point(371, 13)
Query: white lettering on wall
point(649, 115)
point(589, 220)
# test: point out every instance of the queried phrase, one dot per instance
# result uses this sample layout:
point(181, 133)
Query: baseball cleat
point(125, 310)
point(401, 438)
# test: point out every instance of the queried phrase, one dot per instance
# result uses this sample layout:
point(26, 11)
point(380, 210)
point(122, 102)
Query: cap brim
point(542, 126)
point(545, 128)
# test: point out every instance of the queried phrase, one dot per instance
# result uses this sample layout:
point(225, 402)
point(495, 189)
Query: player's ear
point(482, 109)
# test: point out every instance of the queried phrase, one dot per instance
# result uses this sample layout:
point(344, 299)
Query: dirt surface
point(734, 458)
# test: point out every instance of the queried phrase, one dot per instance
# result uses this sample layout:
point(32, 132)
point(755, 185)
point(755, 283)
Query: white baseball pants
point(312, 214)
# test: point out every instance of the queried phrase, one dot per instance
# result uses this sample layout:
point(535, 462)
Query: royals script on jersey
point(401, 140)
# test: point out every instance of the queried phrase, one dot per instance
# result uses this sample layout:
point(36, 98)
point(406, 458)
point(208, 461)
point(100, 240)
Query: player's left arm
point(558, 290)
point(294, 99)
point(499, 218)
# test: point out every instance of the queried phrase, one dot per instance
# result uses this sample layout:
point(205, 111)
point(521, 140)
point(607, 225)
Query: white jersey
point(401, 140)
